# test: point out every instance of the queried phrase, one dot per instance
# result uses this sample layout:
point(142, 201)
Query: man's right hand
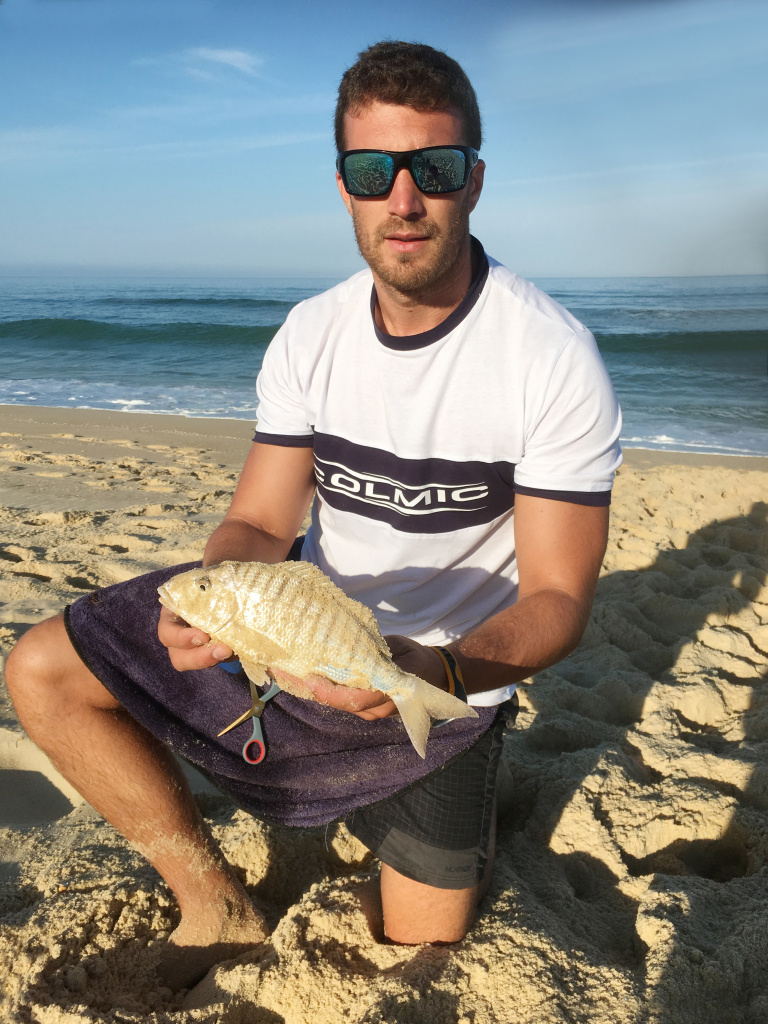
point(272, 496)
point(188, 648)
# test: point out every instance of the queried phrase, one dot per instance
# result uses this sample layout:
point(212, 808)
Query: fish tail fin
point(423, 702)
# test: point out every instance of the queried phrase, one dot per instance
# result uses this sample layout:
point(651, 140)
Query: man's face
point(411, 241)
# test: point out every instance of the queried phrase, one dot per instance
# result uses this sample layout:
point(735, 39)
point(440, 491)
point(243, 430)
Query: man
point(461, 434)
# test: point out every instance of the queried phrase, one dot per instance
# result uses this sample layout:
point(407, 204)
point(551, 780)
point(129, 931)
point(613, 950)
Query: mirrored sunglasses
point(435, 169)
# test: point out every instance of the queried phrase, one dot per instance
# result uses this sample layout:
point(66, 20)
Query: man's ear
point(345, 196)
point(476, 183)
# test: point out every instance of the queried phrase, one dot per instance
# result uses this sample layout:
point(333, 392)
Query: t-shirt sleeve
point(572, 437)
point(281, 413)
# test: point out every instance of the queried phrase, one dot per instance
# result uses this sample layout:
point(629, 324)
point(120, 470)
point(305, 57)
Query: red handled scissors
point(254, 749)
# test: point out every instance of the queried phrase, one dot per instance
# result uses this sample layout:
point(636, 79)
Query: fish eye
point(203, 583)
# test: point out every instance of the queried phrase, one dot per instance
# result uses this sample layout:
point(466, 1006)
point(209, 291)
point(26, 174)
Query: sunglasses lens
point(368, 174)
point(439, 170)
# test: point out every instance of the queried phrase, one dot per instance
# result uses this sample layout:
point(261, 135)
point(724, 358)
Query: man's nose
point(405, 200)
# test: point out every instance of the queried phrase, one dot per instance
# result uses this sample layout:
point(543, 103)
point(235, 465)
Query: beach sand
point(631, 868)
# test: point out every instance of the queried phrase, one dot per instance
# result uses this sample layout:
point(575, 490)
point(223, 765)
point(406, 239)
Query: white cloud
point(204, 61)
point(55, 145)
point(240, 60)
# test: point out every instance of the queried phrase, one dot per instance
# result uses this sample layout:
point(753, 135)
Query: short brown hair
point(413, 75)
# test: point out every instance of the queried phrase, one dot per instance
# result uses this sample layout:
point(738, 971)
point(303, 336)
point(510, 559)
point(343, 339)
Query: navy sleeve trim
point(597, 499)
point(285, 440)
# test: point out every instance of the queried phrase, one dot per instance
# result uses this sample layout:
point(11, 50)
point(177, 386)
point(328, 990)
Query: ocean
point(688, 356)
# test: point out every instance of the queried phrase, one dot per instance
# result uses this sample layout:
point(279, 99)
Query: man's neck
point(404, 315)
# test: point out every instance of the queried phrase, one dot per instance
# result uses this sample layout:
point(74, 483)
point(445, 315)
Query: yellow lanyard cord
point(453, 672)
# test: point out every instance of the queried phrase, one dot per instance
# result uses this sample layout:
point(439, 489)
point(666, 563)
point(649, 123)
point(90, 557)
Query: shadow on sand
point(642, 779)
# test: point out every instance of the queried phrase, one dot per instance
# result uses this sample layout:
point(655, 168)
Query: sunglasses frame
point(404, 158)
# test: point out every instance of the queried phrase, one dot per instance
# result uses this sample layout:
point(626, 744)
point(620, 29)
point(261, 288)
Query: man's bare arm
point(560, 548)
point(268, 506)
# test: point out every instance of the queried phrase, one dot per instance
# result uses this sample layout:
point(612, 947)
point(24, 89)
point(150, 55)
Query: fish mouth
point(166, 599)
point(168, 602)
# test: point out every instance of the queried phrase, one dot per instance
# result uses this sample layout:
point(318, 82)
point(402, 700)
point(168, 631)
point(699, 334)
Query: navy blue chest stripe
point(417, 495)
point(411, 495)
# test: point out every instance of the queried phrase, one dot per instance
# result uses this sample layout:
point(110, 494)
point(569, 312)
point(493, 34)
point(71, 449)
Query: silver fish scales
point(291, 618)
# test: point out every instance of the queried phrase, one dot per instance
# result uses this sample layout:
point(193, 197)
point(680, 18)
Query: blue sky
point(193, 136)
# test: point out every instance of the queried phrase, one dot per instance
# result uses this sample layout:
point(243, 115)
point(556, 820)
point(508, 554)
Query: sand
point(631, 875)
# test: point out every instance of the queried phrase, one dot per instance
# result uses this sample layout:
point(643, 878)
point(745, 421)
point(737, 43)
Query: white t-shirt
point(421, 443)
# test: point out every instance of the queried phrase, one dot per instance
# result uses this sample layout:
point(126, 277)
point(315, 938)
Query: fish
point(292, 618)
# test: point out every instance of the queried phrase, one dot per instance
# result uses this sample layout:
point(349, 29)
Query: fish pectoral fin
point(264, 651)
point(256, 672)
point(424, 702)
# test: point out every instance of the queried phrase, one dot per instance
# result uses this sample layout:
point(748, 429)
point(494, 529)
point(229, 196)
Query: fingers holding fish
point(367, 704)
point(293, 684)
point(413, 657)
point(174, 631)
point(189, 648)
point(291, 621)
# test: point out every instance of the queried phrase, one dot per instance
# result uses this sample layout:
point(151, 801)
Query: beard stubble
point(406, 273)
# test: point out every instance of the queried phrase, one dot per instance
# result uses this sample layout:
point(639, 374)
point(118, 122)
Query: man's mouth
point(400, 242)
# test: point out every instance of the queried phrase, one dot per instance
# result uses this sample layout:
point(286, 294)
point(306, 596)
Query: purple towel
point(321, 763)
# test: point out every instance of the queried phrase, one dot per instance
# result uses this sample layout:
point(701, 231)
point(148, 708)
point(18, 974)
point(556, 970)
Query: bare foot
point(200, 943)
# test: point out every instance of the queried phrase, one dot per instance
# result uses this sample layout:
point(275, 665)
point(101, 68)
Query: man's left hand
point(372, 704)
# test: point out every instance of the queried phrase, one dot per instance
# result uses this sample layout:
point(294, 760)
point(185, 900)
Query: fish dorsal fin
point(309, 572)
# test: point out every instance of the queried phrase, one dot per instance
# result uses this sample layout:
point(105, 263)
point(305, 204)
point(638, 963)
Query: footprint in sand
point(80, 583)
point(42, 577)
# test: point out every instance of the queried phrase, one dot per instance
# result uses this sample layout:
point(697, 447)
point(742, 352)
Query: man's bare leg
point(133, 780)
point(414, 912)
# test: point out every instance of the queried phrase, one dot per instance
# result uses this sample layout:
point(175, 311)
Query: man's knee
point(44, 665)
point(32, 651)
point(415, 913)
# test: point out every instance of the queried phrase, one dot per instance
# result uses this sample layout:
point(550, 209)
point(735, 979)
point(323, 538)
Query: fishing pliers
point(258, 703)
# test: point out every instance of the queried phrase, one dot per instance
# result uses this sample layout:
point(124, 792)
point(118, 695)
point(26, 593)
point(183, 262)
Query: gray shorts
point(437, 831)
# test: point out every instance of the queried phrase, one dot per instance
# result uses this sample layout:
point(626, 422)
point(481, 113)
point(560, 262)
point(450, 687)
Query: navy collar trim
point(413, 341)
